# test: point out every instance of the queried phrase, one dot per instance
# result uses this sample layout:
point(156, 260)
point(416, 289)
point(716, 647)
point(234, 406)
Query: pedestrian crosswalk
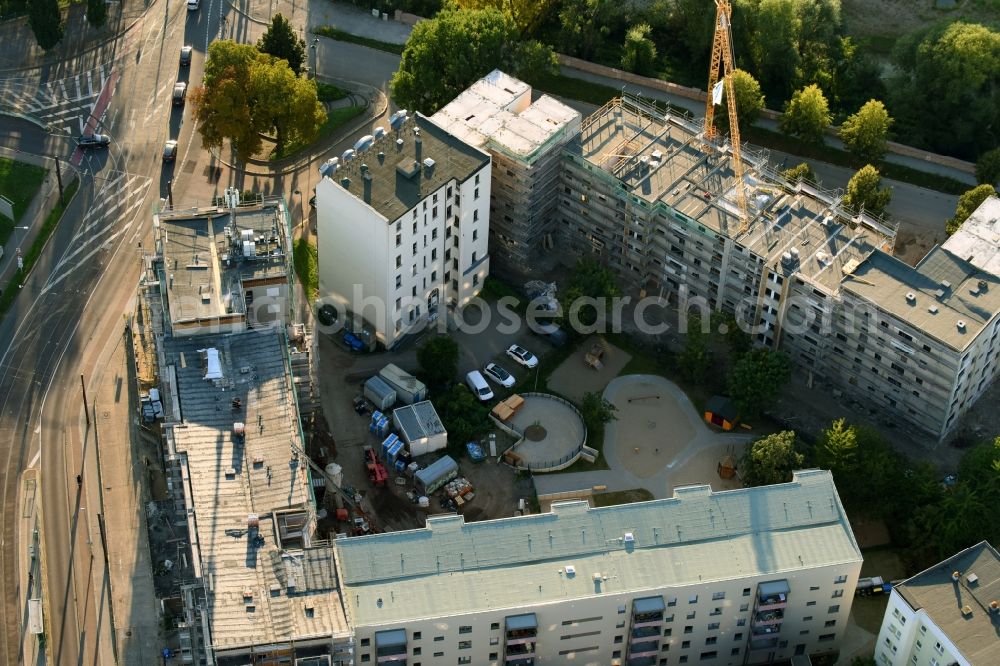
point(65, 104)
point(112, 213)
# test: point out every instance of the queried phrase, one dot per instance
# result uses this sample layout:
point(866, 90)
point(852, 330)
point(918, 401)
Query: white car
point(522, 356)
point(499, 375)
point(478, 384)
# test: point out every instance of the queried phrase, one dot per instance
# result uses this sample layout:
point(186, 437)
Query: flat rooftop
point(978, 239)
point(945, 296)
point(399, 180)
point(418, 420)
point(285, 587)
point(451, 567)
point(662, 159)
point(205, 258)
point(976, 634)
point(497, 113)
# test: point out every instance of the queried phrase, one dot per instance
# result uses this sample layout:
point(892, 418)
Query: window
point(744, 608)
point(813, 588)
point(693, 599)
point(416, 635)
point(691, 615)
point(438, 639)
point(826, 637)
point(746, 591)
point(810, 603)
point(618, 639)
point(434, 212)
point(495, 626)
point(475, 218)
point(416, 652)
point(439, 654)
point(465, 660)
point(672, 601)
point(742, 622)
point(718, 595)
point(475, 280)
point(688, 629)
point(837, 593)
point(716, 611)
point(807, 618)
point(399, 239)
point(616, 654)
point(738, 636)
point(667, 632)
point(475, 234)
point(834, 609)
point(477, 179)
point(685, 645)
point(399, 260)
point(734, 652)
point(465, 645)
point(705, 656)
point(365, 642)
point(475, 193)
point(683, 659)
point(830, 623)
point(399, 281)
point(711, 640)
point(840, 580)
point(713, 626)
point(414, 224)
point(494, 641)
point(399, 303)
point(465, 629)
point(366, 657)
point(493, 656)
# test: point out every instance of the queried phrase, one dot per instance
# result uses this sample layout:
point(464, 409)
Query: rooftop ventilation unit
point(910, 297)
point(399, 144)
point(570, 570)
point(629, 537)
point(348, 155)
point(429, 163)
point(972, 579)
point(960, 324)
point(967, 610)
point(933, 309)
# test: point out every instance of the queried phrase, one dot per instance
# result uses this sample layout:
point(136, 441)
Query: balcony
point(520, 648)
point(768, 617)
point(772, 595)
point(654, 624)
point(639, 633)
point(772, 603)
point(770, 630)
point(521, 661)
point(390, 647)
point(521, 640)
point(764, 643)
point(643, 649)
point(647, 660)
point(395, 659)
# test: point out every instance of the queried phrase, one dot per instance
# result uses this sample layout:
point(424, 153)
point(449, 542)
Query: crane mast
point(722, 59)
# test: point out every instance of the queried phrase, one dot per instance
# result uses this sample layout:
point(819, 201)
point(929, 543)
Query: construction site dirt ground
point(341, 373)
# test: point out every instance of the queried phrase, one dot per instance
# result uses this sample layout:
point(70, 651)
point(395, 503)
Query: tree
point(584, 25)
point(589, 280)
point(807, 115)
point(756, 379)
point(694, 359)
point(988, 167)
point(864, 191)
point(749, 101)
point(857, 77)
point(837, 449)
point(527, 15)
point(45, 20)
point(967, 205)
point(246, 93)
point(281, 41)
point(771, 459)
point(445, 55)
point(596, 413)
point(738, 340)
point(639, 52)
point(438, 359)
point(773, 30)
point(462, 415)
point(865, 133)
point(800, 172)
point(97, 13)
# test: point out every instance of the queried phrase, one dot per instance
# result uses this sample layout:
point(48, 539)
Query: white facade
point(700, 578)
point(947, 615)
point(400, 256)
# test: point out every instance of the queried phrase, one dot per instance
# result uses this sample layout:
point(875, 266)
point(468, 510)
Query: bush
point(988, 167)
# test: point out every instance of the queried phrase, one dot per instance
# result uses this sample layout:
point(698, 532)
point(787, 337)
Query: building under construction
point(645, 193)
point(525, 140)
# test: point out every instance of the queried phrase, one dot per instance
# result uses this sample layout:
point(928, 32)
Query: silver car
point(499, 375)
point(522, 356)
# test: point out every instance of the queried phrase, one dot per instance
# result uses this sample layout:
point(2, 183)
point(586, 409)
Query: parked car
point(180, 92)
point(551, 332)
point(522, 356)
point(170, 151)
point(499, 375)
point(193, 5)
point(478, 384)
point(94, 141)
point(186, 52)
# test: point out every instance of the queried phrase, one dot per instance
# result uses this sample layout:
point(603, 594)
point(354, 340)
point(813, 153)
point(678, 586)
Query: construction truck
point(377, 473)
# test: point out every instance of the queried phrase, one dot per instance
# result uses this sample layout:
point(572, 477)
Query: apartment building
point(737, 577)
point(947, 615)
point(222, 269)
point(643, 192)
point(403, 230)
point(525, 140)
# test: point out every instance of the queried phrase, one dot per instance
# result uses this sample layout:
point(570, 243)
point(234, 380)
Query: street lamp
point(312, 47)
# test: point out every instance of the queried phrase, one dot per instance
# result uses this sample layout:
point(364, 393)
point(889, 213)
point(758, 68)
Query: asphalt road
point(69, 309)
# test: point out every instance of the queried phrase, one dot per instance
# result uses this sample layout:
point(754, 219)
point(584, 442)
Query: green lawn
point(19, 182)
point(622, 497)
point(31, 256)
point(334, 32)
point(327, 92)
point(335, 119)
point(306, 260)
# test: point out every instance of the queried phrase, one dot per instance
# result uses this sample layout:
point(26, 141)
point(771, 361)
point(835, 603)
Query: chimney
point(366, 180)
point(345, 182)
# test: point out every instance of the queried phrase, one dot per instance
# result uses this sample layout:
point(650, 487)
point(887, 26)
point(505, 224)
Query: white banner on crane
point(717, 92)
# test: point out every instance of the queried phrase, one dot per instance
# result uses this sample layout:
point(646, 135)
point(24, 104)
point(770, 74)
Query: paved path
point(688, 449)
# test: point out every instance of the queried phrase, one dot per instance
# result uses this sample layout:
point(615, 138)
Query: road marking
point(76, 82)
point(90, 83)
point(62, 88)
point(35, 459)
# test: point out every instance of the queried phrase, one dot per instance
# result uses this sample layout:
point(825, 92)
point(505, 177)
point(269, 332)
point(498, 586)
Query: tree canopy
point(589, 279)
point(988, 167)
point(749, 101)
point(462, 415)
point(771, 459)
point(246, 93)
point(756, 379)
point(45, 20)
point(639, 52)
point(526, 14)
point(864, 191)
point(281, 41)
point(807, 115)
point(584, 25)
point(438, 359)
point(445, 55)
point(694, 360)
point(967, 205)
point(799, 172)
point(865, 133)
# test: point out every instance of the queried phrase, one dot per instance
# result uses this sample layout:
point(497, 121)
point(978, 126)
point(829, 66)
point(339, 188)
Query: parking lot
point(341, 376)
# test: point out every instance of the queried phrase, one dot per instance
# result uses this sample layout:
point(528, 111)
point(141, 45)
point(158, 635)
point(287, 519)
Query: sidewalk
point(324, 12)
point(124, 494)
point(34, 216)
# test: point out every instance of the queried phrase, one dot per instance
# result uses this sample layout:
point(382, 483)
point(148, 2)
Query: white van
point(478, 384)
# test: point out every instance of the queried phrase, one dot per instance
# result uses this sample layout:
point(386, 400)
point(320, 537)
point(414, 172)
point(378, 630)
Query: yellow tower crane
point(722, 58)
